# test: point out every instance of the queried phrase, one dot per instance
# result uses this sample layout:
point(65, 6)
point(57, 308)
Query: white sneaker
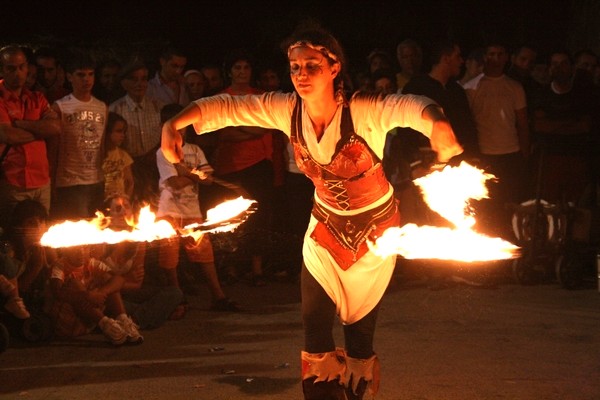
point(113, 330)
point(16, 307)
point(130, 328)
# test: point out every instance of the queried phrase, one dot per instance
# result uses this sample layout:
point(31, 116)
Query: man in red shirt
point(26, 119)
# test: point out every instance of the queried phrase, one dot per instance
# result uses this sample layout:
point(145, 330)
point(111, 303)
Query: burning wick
point(448, 193)
point(224, 217)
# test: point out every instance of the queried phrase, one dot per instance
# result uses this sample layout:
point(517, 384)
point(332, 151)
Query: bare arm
point(443, 140)
point(41, 129)
point(184, 177)
point(11, 135)
point(171, 141)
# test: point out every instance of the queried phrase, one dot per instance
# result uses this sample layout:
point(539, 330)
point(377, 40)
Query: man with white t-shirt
point(499, 107)
point(78, 174)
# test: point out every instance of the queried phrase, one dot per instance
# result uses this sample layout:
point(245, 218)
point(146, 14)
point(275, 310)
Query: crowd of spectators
point(80, 132)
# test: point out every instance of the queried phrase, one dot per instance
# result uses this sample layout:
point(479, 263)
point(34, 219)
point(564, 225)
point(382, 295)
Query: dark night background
point(207, 29)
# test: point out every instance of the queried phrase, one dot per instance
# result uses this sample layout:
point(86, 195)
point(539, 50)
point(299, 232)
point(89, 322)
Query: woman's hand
point(443, 141)
point(171, 143)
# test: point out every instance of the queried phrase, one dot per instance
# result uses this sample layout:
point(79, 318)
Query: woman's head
point(238, 67)
point(312, 50)
point(195, 83)
point(116, 128)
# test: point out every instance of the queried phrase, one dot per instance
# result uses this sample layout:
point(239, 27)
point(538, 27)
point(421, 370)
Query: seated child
point(9, 294)
point(27, 225)
point(83, 292)
point(148, 305)
point(20, 255)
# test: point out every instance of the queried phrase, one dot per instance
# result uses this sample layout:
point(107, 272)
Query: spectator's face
point(241, 72)
point(14, 70)
point(560, 67)
point(385, 86)
point(455, 62)
point(587, 62)
point(525, 59)
point(473, 67)
point(196, 85)
point(269, 80)
point(117, 134)
point(82, 80)
point(409, 59)
point(121, 213)
point(46, 71)
point(32, 230)
point(172, 69)
point(108, 77)
point(495, 59)
point(31, 76)
point(213, 78)
point(136, 83)
point(378, 62)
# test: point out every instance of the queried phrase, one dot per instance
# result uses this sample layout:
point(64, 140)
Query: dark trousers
point(318, 314)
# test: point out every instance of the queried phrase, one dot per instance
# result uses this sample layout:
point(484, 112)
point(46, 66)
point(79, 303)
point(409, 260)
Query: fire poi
point(447, 192)
point(225, 217)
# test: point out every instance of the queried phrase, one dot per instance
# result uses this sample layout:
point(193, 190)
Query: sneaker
point(225, 304)
point(113, 330)
point(131, 329)
point(16, 307)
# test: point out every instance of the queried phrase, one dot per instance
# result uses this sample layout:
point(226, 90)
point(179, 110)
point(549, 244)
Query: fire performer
point(339, 145)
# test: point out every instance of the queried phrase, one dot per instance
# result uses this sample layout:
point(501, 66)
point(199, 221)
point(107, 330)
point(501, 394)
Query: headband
point(321, 49)
point(190, 72)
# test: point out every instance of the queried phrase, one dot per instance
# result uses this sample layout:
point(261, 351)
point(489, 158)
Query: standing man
point(562, 121)
point(499, 107)
point(48, 75)
point(142, 114)
point(26, 119)
point(440, 85)
point(214, 78)
point(79, 181)
point(168, 85)
point(410, 59)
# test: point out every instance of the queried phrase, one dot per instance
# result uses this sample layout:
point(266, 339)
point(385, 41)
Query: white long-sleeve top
point(359, 289)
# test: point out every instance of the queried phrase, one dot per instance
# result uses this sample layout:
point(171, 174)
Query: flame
point(147, 229)
point(82, 232)
point(447, 192)
point(224, 217)
point(412, 242)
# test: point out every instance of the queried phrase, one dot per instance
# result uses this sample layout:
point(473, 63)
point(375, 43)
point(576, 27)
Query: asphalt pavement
point(437, 339)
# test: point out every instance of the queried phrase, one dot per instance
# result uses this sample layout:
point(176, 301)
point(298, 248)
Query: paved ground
point(455, 342)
